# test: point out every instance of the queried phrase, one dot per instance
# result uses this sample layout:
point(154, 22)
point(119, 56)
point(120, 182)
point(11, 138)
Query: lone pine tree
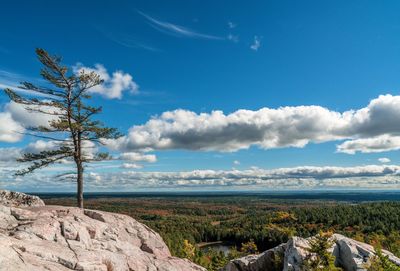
point(72, 128)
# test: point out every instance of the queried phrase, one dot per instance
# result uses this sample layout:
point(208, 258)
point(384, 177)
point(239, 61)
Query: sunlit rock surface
point(17, 199)
point(351, 255)
point(42, 237)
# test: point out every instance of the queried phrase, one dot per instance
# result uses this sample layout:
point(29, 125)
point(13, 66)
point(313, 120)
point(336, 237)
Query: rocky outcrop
point(350, 254)
point(17, 199)
point(268, 260)
point(66, 238)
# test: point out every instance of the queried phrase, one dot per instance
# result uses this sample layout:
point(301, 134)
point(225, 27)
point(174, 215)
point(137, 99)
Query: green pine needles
point(72, 127)
point(320, 259)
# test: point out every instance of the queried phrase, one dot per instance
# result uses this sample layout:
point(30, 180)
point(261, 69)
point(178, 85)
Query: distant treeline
point(266, 222)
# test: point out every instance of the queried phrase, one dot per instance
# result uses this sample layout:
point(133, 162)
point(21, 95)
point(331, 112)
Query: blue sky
point(203, 56)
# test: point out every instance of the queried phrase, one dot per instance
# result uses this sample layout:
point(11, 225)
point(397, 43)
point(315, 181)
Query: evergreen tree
point(320, 259)
point(72, 127)
point(382, 263)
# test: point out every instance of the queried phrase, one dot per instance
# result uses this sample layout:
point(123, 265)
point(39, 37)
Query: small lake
point(217, 246)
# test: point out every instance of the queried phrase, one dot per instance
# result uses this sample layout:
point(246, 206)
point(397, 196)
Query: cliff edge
point(38, 237)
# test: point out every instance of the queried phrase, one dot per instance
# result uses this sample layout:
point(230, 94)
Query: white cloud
point(9, 154)
point(176, 30)
point(304, 177)
point(269, 128)
point(41, 145)
point(94, 177)
point(28, 118)
point(131, 166)
point(114, 85)
point(10, 130)
point(89, 148)
point(371, 176)
point(16, 118)
point(368, 145)
point(373, 128)
point(256, 44)
point(236, 162)
point(384, 160)
point(138, 157)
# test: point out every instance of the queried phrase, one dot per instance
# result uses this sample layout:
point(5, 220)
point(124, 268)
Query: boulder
point(355, 255)
point(350, 254)
point(268, 260)
point(66, 238)
point(17, 199)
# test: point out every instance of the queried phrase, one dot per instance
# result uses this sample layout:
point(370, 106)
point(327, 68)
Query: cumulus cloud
point(236, 162)
point(138, 157)
point(41, 145)
point(88, 148)
point(369, 129)
point(16, 118)
point(367, 145)
point(373, 128)
point(131, 166)
point(267, 128)
point(94, 177)
point(384, 160)
point(304, 177)
point(9, 154)
point(27, 118)
point(114, 85)
point(10, 130)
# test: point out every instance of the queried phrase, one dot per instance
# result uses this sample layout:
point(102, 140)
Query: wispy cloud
point(130, 43)
point(231, 25)
point(13, 80)
point(11, 76)
point(125, 40)
point(233, 38)
point(176, 30)
point(256, 43)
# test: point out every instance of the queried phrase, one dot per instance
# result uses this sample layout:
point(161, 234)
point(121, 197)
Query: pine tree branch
point(47, 137)
point(38, 165)
point(31, 87)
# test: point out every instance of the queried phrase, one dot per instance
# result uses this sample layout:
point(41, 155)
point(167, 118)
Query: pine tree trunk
point(79, 180)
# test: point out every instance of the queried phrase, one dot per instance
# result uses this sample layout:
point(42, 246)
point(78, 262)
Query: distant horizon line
point(222, 191)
